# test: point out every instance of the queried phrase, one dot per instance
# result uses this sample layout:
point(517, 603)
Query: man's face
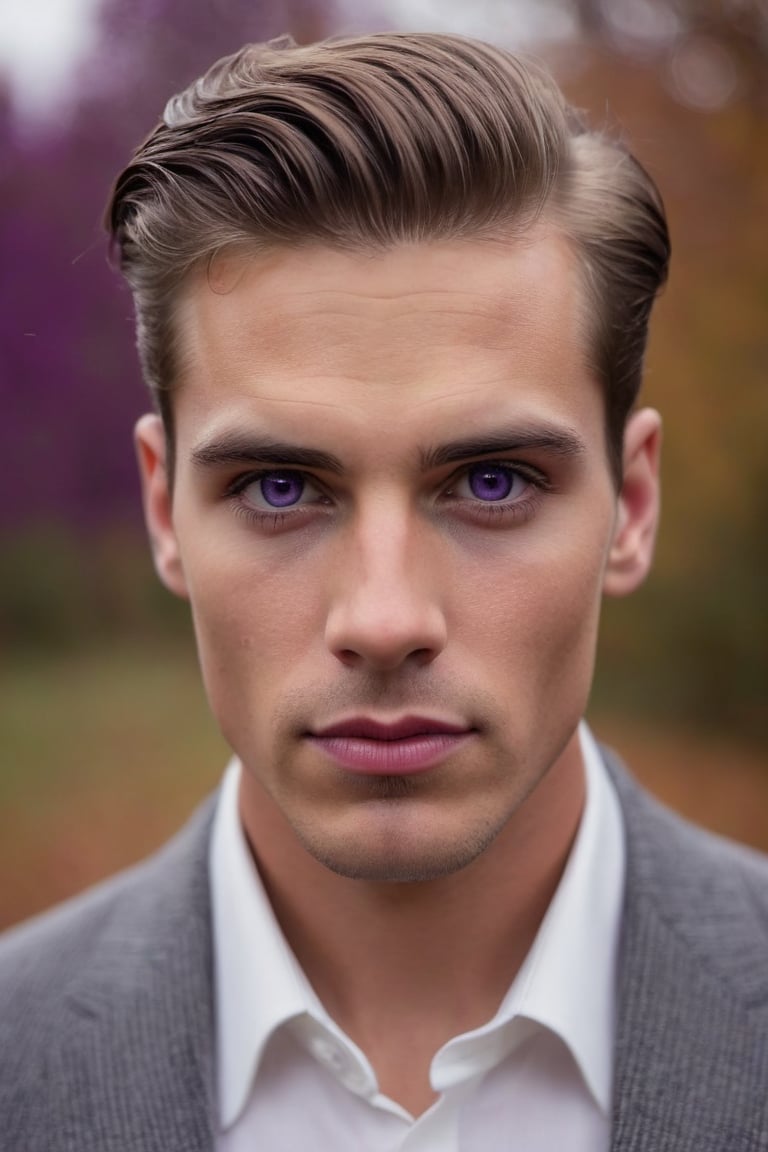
point(394, 517)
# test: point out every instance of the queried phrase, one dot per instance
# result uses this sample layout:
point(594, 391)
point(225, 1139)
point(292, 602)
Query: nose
point(386, 611)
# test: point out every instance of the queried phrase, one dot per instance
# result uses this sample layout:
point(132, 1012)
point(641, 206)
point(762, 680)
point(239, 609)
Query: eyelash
point(278, 517)
point(497, 512)
point(490, 512)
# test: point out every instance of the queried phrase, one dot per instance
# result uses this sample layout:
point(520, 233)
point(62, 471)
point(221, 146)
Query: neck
point(427, 960)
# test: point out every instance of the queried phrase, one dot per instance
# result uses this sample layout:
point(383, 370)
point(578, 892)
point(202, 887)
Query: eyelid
point(253, 475)
point(504, 512)
point(312, 495)
point(276, 518)
point(524, 468)
point(529, 471)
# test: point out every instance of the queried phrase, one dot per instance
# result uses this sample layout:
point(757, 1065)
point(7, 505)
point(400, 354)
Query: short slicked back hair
point(374, 141)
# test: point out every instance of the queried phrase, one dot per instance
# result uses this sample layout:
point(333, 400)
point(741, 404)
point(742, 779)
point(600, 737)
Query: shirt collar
point(259, 984)
point(566, 983)
point(568, 980)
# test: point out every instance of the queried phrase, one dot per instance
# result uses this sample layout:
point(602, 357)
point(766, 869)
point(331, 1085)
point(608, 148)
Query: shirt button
point(327, 1053)
point(354, 1079)
point(333, 1057)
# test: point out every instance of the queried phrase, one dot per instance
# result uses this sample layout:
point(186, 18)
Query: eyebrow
point(248, 449)
point(560, 441)
point(240, 448)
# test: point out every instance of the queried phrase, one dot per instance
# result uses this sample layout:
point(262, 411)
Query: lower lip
point(390, 757)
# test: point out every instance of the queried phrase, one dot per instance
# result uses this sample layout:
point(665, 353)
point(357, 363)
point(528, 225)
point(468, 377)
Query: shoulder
point(690, 1058)
point(710, 892)
point(103, 1000)
point(659, 836)
point(45, 961)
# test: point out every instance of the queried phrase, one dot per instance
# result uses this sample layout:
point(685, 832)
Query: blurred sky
point(43, 41)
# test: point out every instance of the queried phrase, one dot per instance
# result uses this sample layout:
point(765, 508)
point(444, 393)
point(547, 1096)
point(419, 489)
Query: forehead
point(446, 330)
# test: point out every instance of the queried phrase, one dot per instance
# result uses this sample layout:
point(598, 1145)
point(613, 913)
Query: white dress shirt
point(537, 1077)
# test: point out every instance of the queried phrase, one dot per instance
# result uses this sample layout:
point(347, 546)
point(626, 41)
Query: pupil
point(490, 483)
point(282, 488)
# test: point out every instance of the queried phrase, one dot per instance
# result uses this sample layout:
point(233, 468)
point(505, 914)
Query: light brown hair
point(379, 140)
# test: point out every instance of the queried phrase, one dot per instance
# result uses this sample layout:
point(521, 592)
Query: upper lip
point(366, 727)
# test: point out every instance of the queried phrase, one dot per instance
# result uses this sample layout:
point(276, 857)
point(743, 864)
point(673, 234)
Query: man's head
point(366, 143)
point(393, 304)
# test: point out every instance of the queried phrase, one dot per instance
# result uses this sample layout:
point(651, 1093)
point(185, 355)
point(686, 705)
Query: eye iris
point(490, 483)
point(282, 488)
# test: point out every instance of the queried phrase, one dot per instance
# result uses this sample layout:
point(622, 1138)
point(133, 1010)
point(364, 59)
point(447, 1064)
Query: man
point(392, 302)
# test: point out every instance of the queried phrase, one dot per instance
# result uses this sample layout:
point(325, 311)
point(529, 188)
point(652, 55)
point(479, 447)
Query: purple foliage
point(69, 381)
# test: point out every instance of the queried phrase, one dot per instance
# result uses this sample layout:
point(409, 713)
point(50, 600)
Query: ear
point(149, 438)
point(637, 512)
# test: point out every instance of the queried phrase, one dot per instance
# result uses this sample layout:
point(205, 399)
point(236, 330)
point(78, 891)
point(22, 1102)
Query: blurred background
point(105, 738)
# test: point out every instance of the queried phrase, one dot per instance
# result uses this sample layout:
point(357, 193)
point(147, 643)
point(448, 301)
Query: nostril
point(348, 656)
point(417, 657)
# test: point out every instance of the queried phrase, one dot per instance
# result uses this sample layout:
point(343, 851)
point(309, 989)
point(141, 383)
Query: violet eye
point(281, 489)
point(491, 481)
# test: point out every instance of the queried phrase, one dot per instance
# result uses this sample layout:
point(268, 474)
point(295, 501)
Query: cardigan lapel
point(691, 1060)
point(138, 1055)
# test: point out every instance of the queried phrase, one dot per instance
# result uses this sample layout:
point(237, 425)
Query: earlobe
point(149, 438)
point(637, 513)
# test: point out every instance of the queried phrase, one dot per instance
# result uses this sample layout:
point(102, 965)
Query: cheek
point(543, 606)
point(569, 613)
point(253, 620)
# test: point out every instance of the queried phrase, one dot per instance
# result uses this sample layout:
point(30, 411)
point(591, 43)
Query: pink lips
point(370, 747)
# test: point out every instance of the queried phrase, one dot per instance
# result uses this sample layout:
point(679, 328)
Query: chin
point(397, 861)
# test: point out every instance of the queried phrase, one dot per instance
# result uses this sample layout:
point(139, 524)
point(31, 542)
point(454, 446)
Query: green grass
point(102, 754)
point(76, 721)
